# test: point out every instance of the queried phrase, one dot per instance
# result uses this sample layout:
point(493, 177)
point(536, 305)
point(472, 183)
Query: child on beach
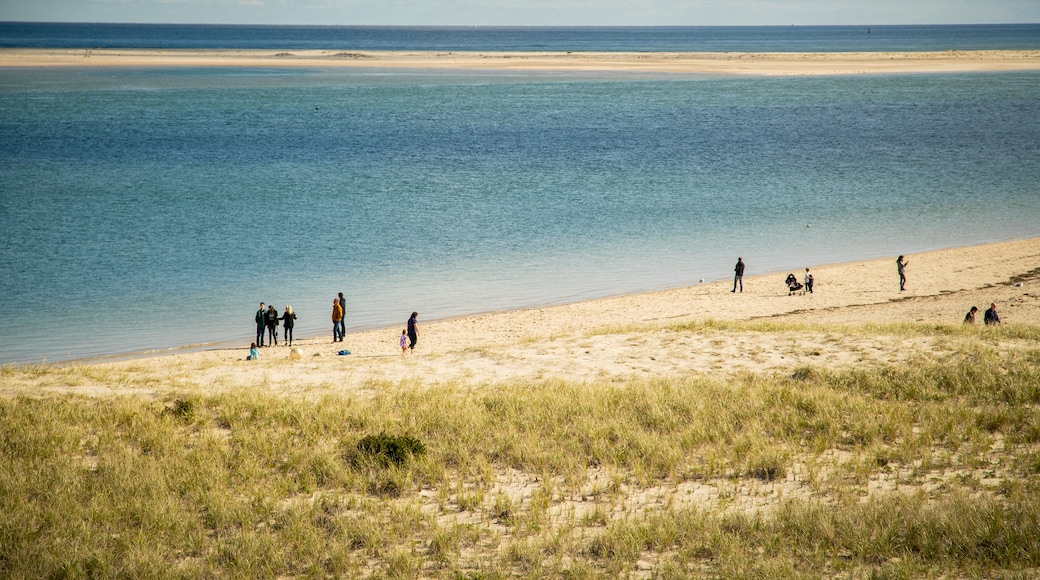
point(254, 353)
point(404, 342)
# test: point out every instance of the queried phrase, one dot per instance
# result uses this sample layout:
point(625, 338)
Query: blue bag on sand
point(344, 352)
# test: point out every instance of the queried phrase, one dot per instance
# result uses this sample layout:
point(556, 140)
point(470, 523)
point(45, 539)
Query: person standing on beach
point(261, 324)
point(990, 316)
point(901, 268)
point(343, 321)
point(404, 342)
point(738, 275)
point(337, 319)
point(288, 318)
point(969, 318)
point(808, 281)
point(413, 331)
point(272, 326)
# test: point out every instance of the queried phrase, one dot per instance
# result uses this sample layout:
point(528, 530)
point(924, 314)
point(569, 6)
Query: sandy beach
point(618, 338)
point(731, 63)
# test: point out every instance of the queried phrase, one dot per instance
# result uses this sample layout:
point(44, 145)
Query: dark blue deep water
point(600, 39)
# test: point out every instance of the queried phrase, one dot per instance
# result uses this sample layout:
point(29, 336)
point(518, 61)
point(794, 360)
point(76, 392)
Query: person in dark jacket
point(261, 324)
point(901, 269)
point(343, 321)
point(288, 318)
point(738, 276)
point(990, 316)
point(272, 326)
point(969, 318)
point(413, 330)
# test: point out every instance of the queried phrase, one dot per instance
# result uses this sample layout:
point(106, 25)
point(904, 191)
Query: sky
point(526, 12)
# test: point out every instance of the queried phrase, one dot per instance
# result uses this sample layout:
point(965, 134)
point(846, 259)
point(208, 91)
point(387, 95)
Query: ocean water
point(593, 38)
point(146, 210)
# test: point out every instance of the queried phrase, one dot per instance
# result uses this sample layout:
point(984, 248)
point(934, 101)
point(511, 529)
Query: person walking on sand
point(990, 316)
point(738, 276)
point(901, 268)
point(808, 281)
point(413, 331)
point(343, 321)
point(288, 321)
point(404, 342)
point(969, 318)
point(272, 326)
point(261, 324)
point(337, 318)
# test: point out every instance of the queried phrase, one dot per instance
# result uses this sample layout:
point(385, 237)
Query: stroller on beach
point(793, 285)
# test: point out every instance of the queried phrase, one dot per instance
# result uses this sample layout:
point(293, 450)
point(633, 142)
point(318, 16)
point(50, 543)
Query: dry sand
point(616, 339)
point(656, 62)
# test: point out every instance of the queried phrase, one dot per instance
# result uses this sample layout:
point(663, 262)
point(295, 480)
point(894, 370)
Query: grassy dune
point(925, 469)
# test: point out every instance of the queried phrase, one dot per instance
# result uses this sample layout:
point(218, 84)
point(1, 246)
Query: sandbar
point(711, 63)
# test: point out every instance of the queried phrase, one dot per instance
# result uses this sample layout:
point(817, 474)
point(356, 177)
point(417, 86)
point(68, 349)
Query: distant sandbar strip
point(723, 63)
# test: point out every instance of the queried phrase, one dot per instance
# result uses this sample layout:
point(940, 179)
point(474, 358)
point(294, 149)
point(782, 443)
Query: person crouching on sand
point(254, 353)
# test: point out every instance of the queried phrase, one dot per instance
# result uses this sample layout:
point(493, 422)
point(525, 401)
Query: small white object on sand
point(296, 353)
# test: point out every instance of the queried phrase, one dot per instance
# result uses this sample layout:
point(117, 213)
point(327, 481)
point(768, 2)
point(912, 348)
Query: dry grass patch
point(923, 468)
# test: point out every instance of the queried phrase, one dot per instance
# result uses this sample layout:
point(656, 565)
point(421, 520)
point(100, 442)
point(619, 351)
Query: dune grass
point(918, 470)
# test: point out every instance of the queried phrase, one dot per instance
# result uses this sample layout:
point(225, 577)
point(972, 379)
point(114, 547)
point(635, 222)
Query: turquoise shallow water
point(150, 209)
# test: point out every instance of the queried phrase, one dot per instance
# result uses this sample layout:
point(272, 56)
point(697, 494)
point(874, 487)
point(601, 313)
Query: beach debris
point(1018, 285)
point(296, 353)
point(808, 225)
point(343, 352)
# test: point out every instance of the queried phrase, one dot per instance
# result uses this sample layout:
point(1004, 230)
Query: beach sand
point(619, 338)
point(654, 62)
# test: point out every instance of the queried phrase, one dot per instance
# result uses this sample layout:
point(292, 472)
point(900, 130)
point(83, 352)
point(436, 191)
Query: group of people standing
point(409, 336)
point(267, 326)
point(339, 325)
point(267, 321)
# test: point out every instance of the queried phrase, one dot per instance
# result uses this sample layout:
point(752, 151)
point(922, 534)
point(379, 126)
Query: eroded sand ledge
point(728, 63)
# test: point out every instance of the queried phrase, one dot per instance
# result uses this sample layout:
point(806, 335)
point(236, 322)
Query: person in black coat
point(738, 275)
point(990, 316)
point(261, 324)
point(287, 324)
point(272, 326)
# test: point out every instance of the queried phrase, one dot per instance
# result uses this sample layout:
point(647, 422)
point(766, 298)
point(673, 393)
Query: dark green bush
point(390, 449)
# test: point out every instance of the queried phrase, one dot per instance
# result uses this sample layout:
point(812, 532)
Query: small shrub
point(767, 467)
point(390, 449)
point(183, 409)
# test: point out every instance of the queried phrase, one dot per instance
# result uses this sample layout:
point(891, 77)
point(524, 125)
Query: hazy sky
point(527, 12)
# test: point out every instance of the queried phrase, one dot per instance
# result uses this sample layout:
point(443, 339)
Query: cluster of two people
point(793, 285)
point(267, 319)
point(989, 317)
